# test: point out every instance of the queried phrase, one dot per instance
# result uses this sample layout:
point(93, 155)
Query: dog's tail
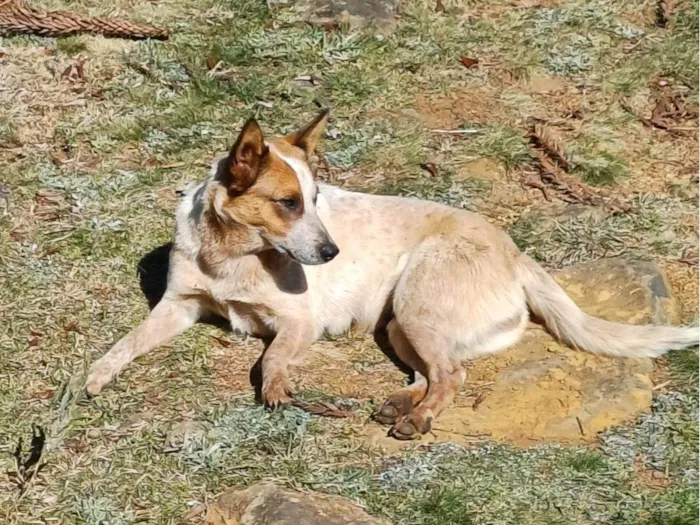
point(570, 325)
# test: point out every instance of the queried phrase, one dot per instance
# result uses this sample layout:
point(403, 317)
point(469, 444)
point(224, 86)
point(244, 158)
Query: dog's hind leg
point(457, 299)
point(404, 400)
point(169, 318)
point(444, 380)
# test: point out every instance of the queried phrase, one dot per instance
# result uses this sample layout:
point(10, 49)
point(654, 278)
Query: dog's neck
point(223, 241)
point(230, 242)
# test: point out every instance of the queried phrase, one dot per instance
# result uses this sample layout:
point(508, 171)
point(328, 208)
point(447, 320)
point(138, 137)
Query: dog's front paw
point(277, 392)
point(98, 377)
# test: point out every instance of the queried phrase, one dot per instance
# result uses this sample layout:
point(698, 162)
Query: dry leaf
point(690, 257)
point(44, 394)
point(72, 327)
point(321, 409)
point(331, 26)
point(439, 7)
point(74, 72)
point(211, 62)
point(663, 12)
point(430, 168)
point(468, 62)
point(543, 137)
point(479, 399)
point(221, 342)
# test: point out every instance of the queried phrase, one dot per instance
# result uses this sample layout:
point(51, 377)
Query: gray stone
point(268, 504)
point(560, 212)
point(355, 13)
point(182, 433)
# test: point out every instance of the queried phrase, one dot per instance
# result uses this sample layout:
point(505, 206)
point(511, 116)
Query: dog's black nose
point(328, 251)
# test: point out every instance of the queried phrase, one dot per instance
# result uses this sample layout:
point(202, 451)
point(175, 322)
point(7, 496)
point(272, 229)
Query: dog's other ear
point(308, 138)
point(243, 163)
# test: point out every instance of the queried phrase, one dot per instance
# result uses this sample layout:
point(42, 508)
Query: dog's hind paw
point(411, 427)
point(393, 409)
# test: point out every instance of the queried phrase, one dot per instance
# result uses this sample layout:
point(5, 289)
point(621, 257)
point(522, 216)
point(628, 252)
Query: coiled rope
point(18, 17)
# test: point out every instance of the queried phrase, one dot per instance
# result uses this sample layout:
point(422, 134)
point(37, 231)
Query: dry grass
point(90, 165)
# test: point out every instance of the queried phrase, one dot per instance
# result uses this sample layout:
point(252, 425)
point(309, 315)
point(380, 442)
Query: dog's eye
point(290, 204)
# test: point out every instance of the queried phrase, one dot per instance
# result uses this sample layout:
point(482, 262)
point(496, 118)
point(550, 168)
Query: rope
point(17, 17)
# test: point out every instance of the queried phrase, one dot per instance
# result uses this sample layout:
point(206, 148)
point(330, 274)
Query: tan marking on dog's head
point(267, 189)
point(273, 202)
point(307, 138)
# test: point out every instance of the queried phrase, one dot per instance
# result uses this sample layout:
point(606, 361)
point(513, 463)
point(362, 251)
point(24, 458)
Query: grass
point(586, 238)
point(150, 116)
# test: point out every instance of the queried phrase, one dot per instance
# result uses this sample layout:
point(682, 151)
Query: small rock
point(544, 84)
point(267, 504)
point(685, 189)
point(354, 13)
point(483, 169)
point(559, 212)
point(183, 432)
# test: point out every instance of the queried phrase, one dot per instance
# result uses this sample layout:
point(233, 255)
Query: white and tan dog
point(262, 244)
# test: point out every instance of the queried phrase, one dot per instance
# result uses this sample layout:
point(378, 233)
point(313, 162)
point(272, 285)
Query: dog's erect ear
point(243, 162)
point(308, 138)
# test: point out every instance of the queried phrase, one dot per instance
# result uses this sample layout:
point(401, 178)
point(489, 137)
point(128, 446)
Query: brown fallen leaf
point(533, 180)
point(545, 138)
point(479, 399)
point(690, 257)
point(439, 7)
point(74, 72)
point(663, 12)
point(321, 409)
point(331, 26)
point(221, 342)
point(211, 62)
point(430, 168)
point(468, 62)
point(76, 445)
point(43, 395)
point(72, 327)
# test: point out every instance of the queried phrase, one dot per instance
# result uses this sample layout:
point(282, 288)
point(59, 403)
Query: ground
point(97, 135)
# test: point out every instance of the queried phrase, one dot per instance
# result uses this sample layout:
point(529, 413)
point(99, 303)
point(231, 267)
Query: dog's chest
point(247, 300)
point(253, 319)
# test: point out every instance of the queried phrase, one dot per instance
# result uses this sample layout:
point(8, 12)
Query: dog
point(280, 256)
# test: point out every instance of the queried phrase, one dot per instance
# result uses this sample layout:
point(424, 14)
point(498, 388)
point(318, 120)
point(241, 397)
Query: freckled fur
point(455, 287)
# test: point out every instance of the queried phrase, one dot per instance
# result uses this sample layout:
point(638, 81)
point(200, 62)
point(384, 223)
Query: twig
point(455, 131)
point(661, 385)
point(465, 434)
point(580, 426)
point(479, 399)
point(145, 71)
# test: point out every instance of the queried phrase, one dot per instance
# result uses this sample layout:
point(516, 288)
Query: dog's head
point(270, 189)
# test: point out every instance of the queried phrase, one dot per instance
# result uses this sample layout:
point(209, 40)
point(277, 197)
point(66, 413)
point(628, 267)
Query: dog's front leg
point(288, 346)
point(169, 318)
